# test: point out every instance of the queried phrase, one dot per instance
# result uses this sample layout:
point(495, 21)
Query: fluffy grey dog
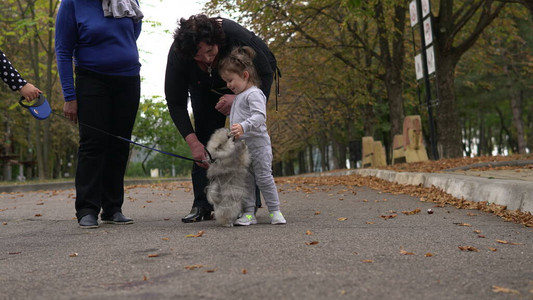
point(227, 176)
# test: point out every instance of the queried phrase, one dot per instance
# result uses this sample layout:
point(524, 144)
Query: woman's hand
point(70, 110)
point(224, 104)
point(197, 150)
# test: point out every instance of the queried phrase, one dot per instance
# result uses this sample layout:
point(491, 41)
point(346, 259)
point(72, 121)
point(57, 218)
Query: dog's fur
point(227, 176)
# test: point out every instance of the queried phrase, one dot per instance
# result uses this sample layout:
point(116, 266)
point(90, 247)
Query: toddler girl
point(248, 122)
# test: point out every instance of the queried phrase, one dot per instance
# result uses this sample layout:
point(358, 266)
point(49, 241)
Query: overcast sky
point(154, 42)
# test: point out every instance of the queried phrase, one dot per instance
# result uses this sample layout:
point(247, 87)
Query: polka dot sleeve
point(9, 74)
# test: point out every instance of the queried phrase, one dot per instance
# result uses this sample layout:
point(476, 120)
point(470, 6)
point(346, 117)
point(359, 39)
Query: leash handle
point(39, 101)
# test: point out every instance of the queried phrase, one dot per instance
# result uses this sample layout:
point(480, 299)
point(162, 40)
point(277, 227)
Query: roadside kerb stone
point(32, 187)
point(515, 194)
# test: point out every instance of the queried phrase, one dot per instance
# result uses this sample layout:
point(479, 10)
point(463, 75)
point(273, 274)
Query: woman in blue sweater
point(101, 41)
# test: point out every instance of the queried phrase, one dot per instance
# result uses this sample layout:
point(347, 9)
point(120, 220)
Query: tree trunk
point(393, 64)
point(312, 168)
point(481, 137)
point(288, 168)
point(302, 164)
point(518, 123)
point(449, 46)
point(447, 116)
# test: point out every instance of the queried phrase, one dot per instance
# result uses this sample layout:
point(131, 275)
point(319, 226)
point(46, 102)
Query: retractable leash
point(41, 110)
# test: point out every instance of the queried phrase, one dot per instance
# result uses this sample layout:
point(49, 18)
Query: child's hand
point(236, 130)
point(29, 91)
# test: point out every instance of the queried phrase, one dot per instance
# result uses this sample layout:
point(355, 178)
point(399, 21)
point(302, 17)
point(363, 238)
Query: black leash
point(135, 143)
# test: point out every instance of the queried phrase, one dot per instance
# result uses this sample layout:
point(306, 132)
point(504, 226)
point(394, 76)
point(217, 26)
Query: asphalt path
point(339, 243)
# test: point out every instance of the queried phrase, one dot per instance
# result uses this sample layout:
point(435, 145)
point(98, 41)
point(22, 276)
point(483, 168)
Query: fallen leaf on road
point(471, 214)
point(311, 243)
point(308, 232)
point(4, 223)
point(210, 270)
point(317, 213)
point(165, 239)
point(342, 219)
point(406, 252)
point(386, 217)
point(11, 253)
point(199, 234)
point(507, 242)
point(145, 278)
point(38, 215)
point(192, 267)
point(463, 224)
point(73, 254)
point(428, 254)
point(153, 255)
point(493, 249)
point(481, 236)
point(367, 260)
point(40, 203)
point(468, 248)
point(499, 289)
point(412, 212)
point(477, 231)
point(243, 271)
point(370, 222)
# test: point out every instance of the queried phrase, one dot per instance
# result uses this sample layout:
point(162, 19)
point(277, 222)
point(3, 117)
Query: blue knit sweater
point(94, 42)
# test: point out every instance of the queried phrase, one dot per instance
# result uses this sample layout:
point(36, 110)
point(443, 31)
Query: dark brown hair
point(196, 29)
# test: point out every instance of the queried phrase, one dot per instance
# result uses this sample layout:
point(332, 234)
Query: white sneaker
point(277, 218)
point(246, 219)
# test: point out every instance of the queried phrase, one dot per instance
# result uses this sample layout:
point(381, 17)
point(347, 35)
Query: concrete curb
point(32, 187)
point(515, 194)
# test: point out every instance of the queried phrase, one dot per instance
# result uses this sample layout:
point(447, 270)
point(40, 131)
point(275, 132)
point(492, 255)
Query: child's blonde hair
point(239, 60)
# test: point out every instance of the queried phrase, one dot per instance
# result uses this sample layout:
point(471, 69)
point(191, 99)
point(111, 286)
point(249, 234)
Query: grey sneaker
point(246, 219)
point(276, 217)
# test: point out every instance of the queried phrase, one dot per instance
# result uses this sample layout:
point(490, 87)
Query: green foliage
point(154, 128)
point(135, 169)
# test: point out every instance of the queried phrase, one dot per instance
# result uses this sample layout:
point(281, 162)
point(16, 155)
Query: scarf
point(121, 9)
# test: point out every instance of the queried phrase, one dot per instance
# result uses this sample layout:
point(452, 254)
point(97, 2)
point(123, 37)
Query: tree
point(154, 128)
point(458, 25)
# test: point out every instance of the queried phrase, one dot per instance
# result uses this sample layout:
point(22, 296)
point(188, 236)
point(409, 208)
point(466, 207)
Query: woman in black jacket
point(199, 44)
